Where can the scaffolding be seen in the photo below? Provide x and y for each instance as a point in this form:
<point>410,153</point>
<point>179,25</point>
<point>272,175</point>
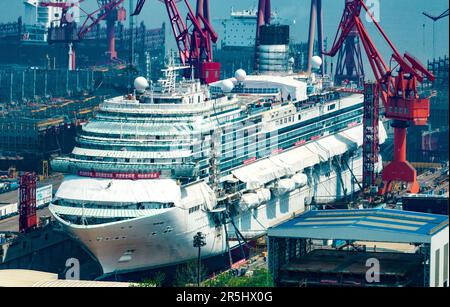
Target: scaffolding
<point>27,202</point>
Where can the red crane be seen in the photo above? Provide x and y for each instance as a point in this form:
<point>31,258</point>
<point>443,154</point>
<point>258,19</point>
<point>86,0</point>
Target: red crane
<point>109,10</point>
<point>64,6</point>
<point>194,37</point>
<point>397,86</point>
<point>349,66</point>
<point>27,202</point>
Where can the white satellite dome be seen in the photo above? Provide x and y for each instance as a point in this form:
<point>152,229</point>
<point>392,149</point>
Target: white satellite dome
<point>240,75</point>
<point>316,61</point>
<point>141,84</point>
<point>227,86</point>
<point>291,60</point>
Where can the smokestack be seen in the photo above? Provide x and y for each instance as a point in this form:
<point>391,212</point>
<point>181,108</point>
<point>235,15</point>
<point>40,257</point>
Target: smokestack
<point>316,16</point>
<point>264,18</point>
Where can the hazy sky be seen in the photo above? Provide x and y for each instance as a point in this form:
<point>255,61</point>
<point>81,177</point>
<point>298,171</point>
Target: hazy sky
<point>401,19</point>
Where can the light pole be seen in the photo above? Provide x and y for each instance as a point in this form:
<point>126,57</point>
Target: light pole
<point>199,242</point>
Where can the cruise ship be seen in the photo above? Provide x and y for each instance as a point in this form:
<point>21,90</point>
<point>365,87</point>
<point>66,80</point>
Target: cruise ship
<point>229,160</point>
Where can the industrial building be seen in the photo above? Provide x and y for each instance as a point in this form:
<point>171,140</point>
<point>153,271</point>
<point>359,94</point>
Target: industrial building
<point>28,278</point>
<point>297,259</point>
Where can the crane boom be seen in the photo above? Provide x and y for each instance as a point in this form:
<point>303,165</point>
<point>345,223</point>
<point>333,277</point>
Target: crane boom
<point>194,37</point>
<point>108,10</point>
<point>138,8</point>
<point>102,12</point>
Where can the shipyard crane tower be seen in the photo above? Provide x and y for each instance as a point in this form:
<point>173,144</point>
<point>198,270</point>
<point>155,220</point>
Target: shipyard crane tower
<point>65,32</point>
<point>396,85</point>
<point>349,66</point>
<point>109,10</point>
<point>194,37</point>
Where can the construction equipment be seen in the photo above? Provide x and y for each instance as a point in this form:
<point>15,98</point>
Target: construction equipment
<point>435,19</point>
<point>66,32</point>
<point>397,86</point>
<point>194,37</point>
<point>349,66</point>
<point>12,172</point>
<point>44,169</point>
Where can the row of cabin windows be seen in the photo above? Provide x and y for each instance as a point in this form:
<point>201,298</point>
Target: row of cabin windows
<point>194,209</point>
<point>128,160</point>
<point>237,156</point>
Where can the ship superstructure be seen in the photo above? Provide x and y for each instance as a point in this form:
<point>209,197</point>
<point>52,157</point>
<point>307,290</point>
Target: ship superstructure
<point>154,168</point>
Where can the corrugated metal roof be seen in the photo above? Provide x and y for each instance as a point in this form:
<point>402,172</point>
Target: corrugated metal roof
<point>29,278</point>
<point>382,225</point>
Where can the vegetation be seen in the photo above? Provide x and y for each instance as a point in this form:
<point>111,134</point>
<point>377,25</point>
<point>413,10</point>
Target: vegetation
<point>186,275</point>
<point>259,278</point>
<point>155,280</point>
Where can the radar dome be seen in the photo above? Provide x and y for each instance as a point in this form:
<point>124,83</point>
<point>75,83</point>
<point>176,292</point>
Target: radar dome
<point>240,75</point>
<point>227,86</point>
<point>316,62</point>
<point>140,84</point>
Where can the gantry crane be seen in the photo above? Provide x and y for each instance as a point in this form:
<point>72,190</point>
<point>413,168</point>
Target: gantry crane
<point>109,10</point>
<point>194,37</point>
<point>349,65</point>
<point>396,85</point>
<point>435,19</point>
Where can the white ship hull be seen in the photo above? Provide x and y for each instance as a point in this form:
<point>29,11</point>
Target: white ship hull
<point>166,238</point>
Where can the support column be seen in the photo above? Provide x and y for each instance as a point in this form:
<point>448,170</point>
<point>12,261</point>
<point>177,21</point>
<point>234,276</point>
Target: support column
<point>274,258</point>
<point>400,170</point>
<point>320,34</point>
<point>312,31</point>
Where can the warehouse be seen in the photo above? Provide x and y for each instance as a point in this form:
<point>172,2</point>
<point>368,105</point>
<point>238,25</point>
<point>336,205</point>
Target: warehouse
<point>323,248</point>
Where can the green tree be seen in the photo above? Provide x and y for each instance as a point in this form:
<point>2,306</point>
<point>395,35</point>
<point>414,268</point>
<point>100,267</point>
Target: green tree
<point>186,274</point>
